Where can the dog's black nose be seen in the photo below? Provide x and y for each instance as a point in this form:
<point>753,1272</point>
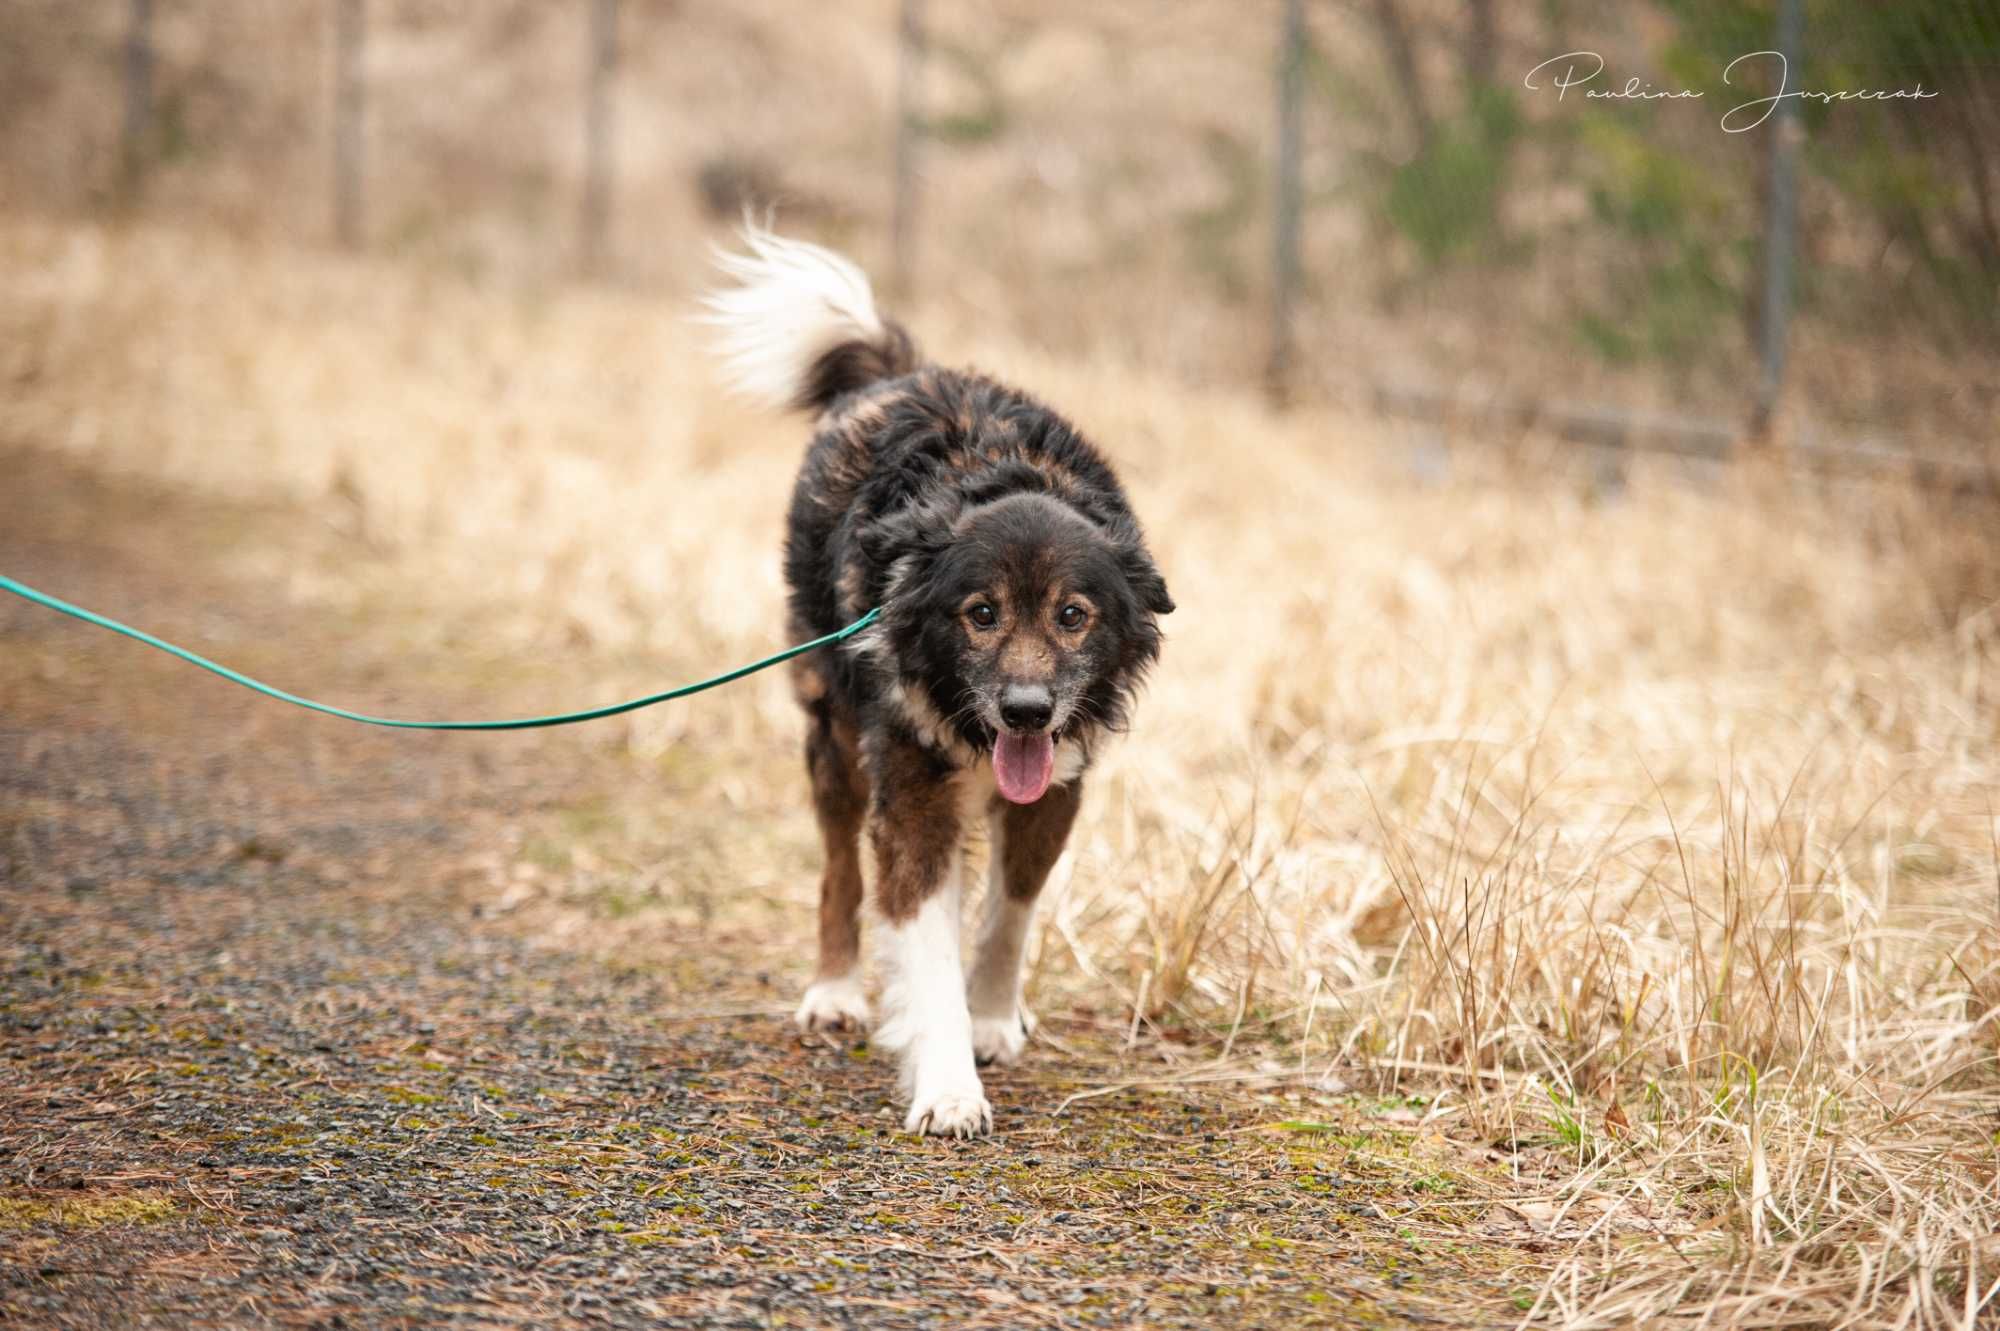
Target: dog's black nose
<point>1026,707</point>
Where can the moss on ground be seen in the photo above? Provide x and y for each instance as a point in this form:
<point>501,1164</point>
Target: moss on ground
<point>85,1211</point>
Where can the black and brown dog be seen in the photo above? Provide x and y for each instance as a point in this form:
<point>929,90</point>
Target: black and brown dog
<point>1019,611</point>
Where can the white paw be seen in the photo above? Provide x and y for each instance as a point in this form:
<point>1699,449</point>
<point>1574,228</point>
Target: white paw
<point>836,1004</point>
<point>950,1114</point>
<point>1001,1039</point>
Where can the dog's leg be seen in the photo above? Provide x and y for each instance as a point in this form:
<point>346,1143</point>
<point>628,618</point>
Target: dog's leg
<point>1026,840</point>
<point>835,1000</point>
<point>918,861</point>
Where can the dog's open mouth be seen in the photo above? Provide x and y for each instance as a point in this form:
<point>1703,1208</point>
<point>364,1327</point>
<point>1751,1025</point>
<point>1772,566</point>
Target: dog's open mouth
<point>1023,765</point>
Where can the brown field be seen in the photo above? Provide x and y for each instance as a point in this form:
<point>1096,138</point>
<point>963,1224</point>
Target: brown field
<point>1097,181</point>
<point>1652,819</point>
<point>1597,857</point>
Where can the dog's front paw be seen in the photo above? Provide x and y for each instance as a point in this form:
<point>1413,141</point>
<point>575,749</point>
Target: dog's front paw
<point>835,1004</point>
<point>1001,1039</point>
<point>950,1114</point>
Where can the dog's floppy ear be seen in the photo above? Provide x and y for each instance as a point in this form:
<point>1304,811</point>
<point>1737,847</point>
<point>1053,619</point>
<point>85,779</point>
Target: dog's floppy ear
<point>904,548</point>
<point>1147,582</point>
<point>918,529</point>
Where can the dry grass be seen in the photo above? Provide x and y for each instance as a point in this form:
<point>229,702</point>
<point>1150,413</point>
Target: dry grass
<point>1100,178</point>
<point>1657,821</point>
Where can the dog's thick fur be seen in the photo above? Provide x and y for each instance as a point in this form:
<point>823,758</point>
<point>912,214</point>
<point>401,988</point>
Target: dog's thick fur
<point>1019,611</point>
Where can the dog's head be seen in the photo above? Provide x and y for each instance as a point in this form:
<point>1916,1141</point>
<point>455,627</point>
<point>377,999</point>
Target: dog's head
<point>1025,624</point>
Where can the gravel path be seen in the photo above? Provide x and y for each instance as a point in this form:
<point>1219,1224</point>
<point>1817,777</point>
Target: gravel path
<point>263,1061</point>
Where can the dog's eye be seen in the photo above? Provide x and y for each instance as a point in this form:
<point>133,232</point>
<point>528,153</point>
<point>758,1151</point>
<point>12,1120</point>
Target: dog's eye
<point>1072,617</point>
<point>983,616</point>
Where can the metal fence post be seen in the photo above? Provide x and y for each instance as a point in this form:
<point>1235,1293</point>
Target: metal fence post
<point>138,96</point>
<point>909,125</point>
<point>597,133</point>
<point>1774,323</point>
<point>1285,225</point>
<point>349,20</point>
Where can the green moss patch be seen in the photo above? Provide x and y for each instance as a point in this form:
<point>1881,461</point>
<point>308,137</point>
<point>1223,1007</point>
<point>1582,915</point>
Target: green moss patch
<point>85,1211</point>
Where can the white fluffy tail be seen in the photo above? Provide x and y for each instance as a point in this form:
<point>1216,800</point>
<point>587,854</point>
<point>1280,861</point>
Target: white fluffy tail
<point>788,307</point>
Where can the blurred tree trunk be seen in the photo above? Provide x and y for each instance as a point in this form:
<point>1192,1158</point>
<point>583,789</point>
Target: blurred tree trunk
<point>1783,132</point>
<point>1480,36</point>
<point>1285,230</point>
<point>348,38</point>
<point>909,125</point>
<point>603,60</point>
<point>138,98</point>
<point>1980,233</point>
<point>1402,53</point>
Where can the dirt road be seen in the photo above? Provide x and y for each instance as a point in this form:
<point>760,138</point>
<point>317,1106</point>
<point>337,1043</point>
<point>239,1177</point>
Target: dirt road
<point>269,1057</point>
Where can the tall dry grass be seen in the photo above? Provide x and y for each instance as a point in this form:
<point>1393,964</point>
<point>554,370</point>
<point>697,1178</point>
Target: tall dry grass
<point>1653,818</point>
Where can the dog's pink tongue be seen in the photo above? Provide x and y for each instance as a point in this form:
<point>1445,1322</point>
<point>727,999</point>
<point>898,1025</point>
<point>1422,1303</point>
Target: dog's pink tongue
<point>1022,766</point>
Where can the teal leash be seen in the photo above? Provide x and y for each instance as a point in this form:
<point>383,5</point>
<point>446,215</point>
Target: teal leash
<point>525,723</point>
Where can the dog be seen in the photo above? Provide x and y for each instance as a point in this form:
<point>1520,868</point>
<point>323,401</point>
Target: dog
<point>1019,612</point>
